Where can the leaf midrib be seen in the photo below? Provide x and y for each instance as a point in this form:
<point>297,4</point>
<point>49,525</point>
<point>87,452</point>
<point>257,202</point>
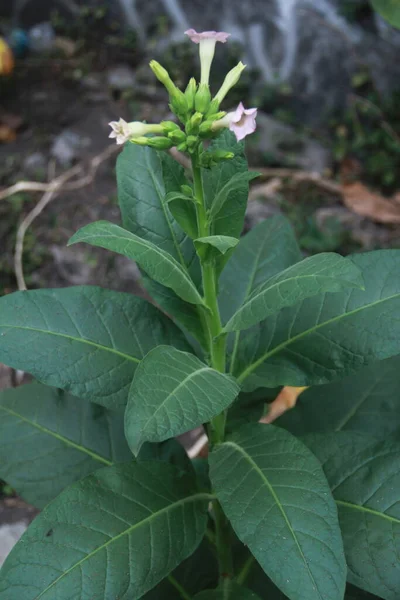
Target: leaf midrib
<point>174,392</point>
<point>74,339</point>
<point>59,437</point>
<point>279,505</point>
<point>370,511</point>
<point>275,286</point>
<point>249,370</point>
<point>129,530</point>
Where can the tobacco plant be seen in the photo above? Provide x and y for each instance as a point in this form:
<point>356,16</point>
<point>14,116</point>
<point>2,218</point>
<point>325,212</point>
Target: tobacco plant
<point>293,509</point>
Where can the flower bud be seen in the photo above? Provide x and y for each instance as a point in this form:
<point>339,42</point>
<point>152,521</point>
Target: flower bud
<point>230,80</point>
<point>216,116</point>
<point>177,136</point>
<point>169,126</point>
<point>190,93</point>
<point>182,147</point>
<point>213,108</point>
<point>193,124</point>
<point>192,142</point>
<point>206,129</point>
<point>179,104</point>
<point>160,143</point>
<point>163,76</point>
<point>202,99</point>
<point>220,155</point>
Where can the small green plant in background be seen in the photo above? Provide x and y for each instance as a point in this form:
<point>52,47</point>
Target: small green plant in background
<point>306,510</point>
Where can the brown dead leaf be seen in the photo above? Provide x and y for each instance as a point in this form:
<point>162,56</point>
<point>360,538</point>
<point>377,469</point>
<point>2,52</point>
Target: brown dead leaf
<point>285,400</point>
<point>361,200</point>
<point>7,134</point>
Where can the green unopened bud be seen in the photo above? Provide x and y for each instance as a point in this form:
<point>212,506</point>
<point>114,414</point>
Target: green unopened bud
<point>190,93</point>
<point>177,136</point>
<point>206,129</point>
<point>213,108</point>
<point>220,155</point>
<point>169,126</point>
<point>216,116</point>
<point>192,142</point>
<point>163,76</point>
<point>230,80</point>
<point>202,99</point>
<point>192,126</point>
<point>187,190</point>
<point>182,147</point>
<point>179,104</point>
<point>160,143</point>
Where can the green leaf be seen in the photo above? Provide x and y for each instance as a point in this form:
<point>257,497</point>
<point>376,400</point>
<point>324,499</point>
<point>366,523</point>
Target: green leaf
<point>328,336</point>
<point>114,534</point>
<point>367,402</point>
<point>325,272</point>
<point>183,210</point>
<point>230,219</point>
<point>233,592</point>
<point>157,263</point>
<point>277,499</point>
<point>49,439</point>
<point>270,247</point>
<point>184,313</point>
<point>173,392</point>
<point>197,572</point>
<point>144,178</point>
<point>213,246</point>
<point>364,476</point>
<point>389,10</point>
<point>85,340</point>
<point>238,181</point>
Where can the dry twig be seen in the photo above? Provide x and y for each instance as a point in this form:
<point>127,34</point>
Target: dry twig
<point>52,190</point>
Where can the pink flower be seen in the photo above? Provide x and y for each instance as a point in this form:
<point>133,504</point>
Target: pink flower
<point>207,41</point>
<point>241,122</point>
<point>123,131</point>
<point>218,36</point>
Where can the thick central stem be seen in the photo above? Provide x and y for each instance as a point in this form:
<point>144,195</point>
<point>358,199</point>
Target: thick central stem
<point>217,350</point>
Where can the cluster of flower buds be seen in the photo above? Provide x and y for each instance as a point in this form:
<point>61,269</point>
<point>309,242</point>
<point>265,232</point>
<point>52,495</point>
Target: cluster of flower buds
<point>195,108</point>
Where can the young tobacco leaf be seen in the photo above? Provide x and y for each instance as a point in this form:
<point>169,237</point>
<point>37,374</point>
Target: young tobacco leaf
<point>116,533</point>
<point>277,499</point>
<point>173,392</point>
<point>85,340</point>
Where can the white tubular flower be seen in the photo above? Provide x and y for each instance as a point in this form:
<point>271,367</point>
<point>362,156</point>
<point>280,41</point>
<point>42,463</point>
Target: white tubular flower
<point>230,81</point>
<point>123,131</point>
<point>207,41</point>
<point>241,122</point>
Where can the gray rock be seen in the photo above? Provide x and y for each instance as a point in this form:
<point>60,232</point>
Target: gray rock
<point>68,147</point>
<point>35,163</point>
<point>9,536</point>
<point>283,145</point>
<point>121,78</point>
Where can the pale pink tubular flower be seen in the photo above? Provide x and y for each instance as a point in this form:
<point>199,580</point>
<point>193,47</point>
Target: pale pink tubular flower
<point>123,131</point>
<point>207,41</point>
<point>241,122</point>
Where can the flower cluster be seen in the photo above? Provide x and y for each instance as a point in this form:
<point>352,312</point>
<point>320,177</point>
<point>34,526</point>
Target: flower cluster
<point>195,108</point>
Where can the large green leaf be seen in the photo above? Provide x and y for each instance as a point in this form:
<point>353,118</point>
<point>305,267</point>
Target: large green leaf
<point>197,572</point>
<point>367,402</point>
<point>144,178</point>
<point>270,247</point>
<point>328,336</point>
<point>277,499</point>
<point>325,272</point>
<point>364,476</point>
<point>85,340</point>
<point>184,212</point>
<point>229,220</point>
<point>173,392</point>
<point>142,198</point>
<point>233,592</point>
<point>115,534</point>
<point>157,263</point>
<point>237,181</point>
<point>49,439</point>
<point>389,10</point>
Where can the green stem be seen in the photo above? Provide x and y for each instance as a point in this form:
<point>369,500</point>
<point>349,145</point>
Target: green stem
<point>178,587</point>
<point>245,570</point>
<point>217,351</point>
